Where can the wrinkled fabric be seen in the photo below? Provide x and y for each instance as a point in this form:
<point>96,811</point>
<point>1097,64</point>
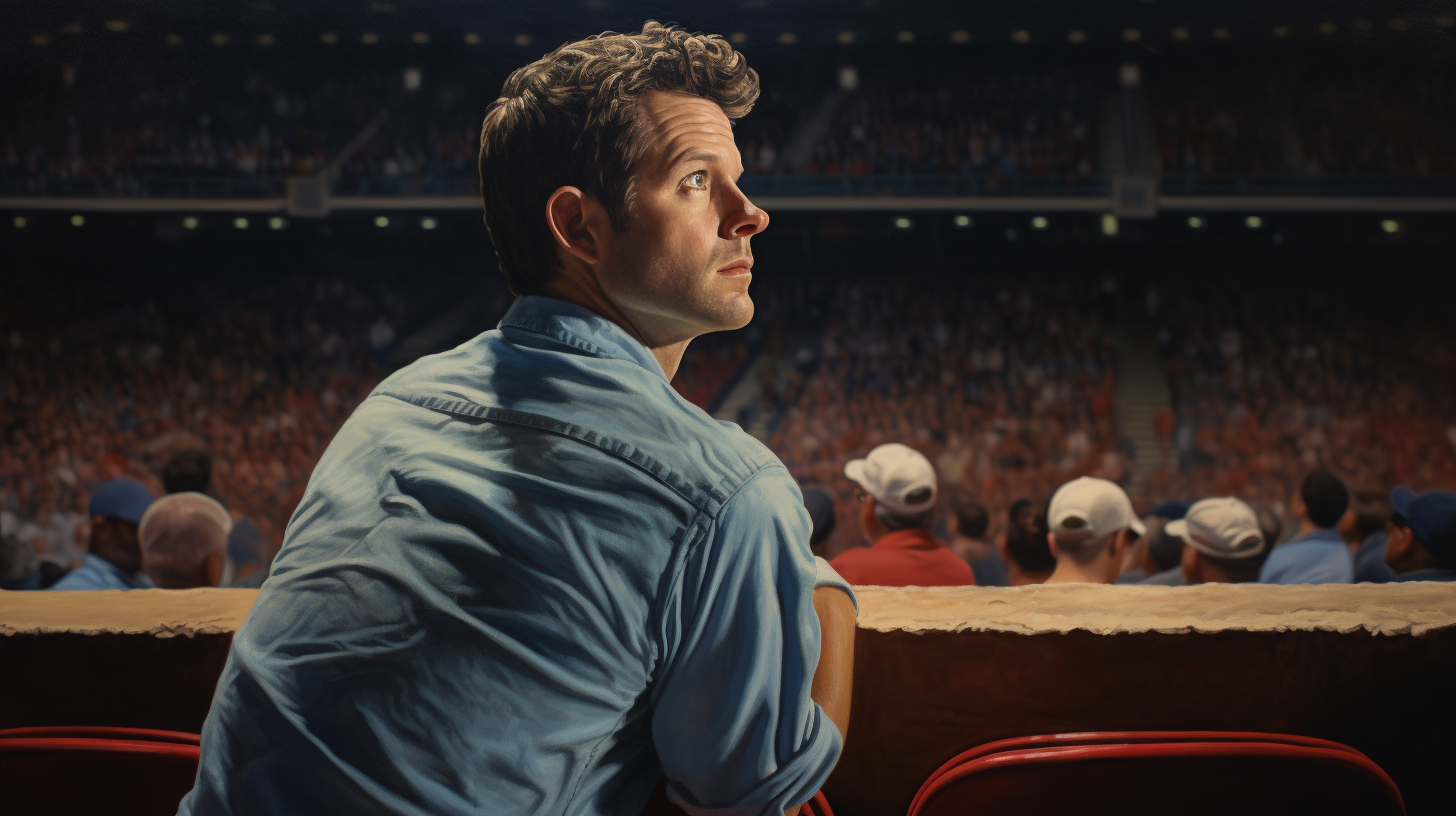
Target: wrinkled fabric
<point>1320,557</point>
<point>527,577</point>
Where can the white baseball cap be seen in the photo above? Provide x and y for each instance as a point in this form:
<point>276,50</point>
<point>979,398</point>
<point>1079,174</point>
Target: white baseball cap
<point>1101,505</point>
<point>1220,528</point>
<point>898,476</point>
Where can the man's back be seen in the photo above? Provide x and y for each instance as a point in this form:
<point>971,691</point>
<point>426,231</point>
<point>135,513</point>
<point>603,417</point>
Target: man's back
<point>904,558</point>
<point>1320,557</point>
<point>508,589</point>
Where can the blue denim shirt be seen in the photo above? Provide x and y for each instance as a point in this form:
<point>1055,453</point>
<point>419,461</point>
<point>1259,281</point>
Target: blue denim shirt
<point>1320,557</point>
<point>527,577</point>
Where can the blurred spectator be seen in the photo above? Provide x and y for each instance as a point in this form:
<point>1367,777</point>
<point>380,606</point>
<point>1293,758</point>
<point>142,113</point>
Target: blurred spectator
<point>1092,525</point>
<point>1158,553</point>
<point>115,557</point>
<point>250,555</point>
<point>1024,547</point>
<point>820,506</point>
<point>1363,528</point>
<point>19,565</point>
<point>1421,543</point>
<point>1223,543</point>
<point>1317,554</point>
<point>967,525</point>
<point>899,507</point>
<point>189,471</point>
<point>183,540</point>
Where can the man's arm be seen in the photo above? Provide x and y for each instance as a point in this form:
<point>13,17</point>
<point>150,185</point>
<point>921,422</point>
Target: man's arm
<point>834,676</point>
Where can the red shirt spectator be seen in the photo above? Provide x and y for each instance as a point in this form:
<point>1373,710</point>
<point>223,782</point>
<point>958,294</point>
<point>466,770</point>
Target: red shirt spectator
<point>904,558</point>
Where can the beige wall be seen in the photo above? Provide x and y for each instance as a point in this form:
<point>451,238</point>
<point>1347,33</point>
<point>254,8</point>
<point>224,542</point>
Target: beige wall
<point>937,670</point>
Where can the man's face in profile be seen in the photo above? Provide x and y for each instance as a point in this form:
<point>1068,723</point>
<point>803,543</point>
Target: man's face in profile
<point>683,267</point>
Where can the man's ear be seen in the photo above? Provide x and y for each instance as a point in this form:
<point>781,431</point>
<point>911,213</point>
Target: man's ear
<point>1398,541</point>
<point>1192,567</point>
<point>569,213</point>
<point>1119,544</point>
<point>212,569</point>
<point>1296,506</point>
<point>1052,543</point>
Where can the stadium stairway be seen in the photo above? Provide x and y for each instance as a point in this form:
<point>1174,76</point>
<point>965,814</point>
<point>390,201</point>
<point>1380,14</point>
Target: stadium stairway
<point>1142,391</point>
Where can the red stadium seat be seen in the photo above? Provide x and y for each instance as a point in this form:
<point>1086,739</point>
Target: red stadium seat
<point>1159,772</point>
<point>139,773</point>
<point>103,732</point>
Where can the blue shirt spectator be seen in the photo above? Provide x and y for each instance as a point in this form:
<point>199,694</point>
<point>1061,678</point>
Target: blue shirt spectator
<point>1319,557</point>
<point>96,572</point>
<point>529,577</point>
<point>1370,566</point>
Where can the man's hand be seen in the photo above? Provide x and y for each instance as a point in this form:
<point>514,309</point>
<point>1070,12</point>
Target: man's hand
<point>834,676</point>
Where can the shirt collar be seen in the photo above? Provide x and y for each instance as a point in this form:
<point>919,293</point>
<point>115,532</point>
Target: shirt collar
<point>579,328</point>
<point>1321,536</point>
<point>916,538</point>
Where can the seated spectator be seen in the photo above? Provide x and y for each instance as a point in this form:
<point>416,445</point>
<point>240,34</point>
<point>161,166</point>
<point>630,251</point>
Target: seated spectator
<point>1421,536</point>
<point>1224,543</point>
<point>1024,547</point>
<point>967,525</point>
<point>1363,528</point>
<point>1092,525</point>
<point>19,565</point>
<point>189,471</point>
<point>184,540</point>
<point>249,555</point>
<point>115,557</point>
<point>1160,555</point>
<point>821,514</point>
<point>1317,554</point>
<point>898,485</point>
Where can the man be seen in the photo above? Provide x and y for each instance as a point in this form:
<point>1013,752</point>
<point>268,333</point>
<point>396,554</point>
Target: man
<point>527,576</point>
<point>1024,547</point>
<point>1223,543</point>
<point>897,486</point>
<point>1317,554</point>
<point>1157,553</point>
<point>967,525</point>
<point>114,557</point>
<point>820,506</point>
<point>1421,536</point>
<point>184,539</point>
<point>1363,528</point>
<point>248,555</point>
<point>1092,525</point>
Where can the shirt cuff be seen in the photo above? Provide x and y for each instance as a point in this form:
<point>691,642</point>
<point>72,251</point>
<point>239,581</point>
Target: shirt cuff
<point>825,576</point>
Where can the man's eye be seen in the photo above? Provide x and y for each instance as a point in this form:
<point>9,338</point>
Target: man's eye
<point>697,180</point>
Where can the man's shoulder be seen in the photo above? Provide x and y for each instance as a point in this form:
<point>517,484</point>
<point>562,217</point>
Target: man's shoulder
<point>622,410</point>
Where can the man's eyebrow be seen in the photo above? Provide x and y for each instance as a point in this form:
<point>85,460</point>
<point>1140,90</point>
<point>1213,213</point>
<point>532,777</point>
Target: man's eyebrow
<point>697,156</point>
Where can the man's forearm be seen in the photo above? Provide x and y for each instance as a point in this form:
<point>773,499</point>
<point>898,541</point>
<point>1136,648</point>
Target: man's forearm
<point>834,676</point>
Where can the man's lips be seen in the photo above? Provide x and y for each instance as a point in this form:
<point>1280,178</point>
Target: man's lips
<point>736,268</point>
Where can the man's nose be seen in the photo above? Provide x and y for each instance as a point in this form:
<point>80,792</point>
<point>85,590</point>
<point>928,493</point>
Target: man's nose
<point>744,219</point>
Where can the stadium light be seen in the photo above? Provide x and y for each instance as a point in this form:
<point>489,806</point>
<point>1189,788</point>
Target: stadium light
<point>428,223</point>
<point>848,78</point>
<point>220,38</point>
<point>1390,226</point>
<point>1362,25</point>
<point>381,222</point>
<point>738,37</point>
<point>1328,28</point>
<point>1399,23</point>
<point>1180,33</point>
<point>845,38</point>
<point>1131,34</point>
<point>788,38</point>
<point>1109,224</point>
<point>1221,33</point>
<point>328,38</point>
<point>1253,222</point>
<point>240,223</point>
<point>906,37</point>
<point>190,222</point>
<point>1195,222</point>
<point>420,38</point>
<point>117,25</point>
<point>960,36</point>
<point>78,220</point>
<point>1039,222</point>
<point>1281,32</point>
<point>903,223</point>
<point>369,38</point>
<point>963,221</point>
<point>1021,35</point>
<point>523,40</point>
<point>1446,21</point>
<point>1076,36</point>
<point>19,222</point>
<point>174,39</point>
<point>471,38</point>
<point>40,39</point>
<point>277,223</point>
<point>266,39</point>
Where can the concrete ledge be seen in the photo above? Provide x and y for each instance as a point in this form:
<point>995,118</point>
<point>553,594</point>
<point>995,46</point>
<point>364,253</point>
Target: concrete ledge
<point>1387,609</point>
<point>155,612</point>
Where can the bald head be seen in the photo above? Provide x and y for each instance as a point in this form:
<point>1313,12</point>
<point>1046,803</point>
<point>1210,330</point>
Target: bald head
<point>184,540</point>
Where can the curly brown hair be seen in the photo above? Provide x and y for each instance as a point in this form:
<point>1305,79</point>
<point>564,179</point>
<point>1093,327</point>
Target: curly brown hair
<point>572,118</point>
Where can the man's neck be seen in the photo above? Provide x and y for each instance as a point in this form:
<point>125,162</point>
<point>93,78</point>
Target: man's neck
<point>1306,527</point>
<point>1016,576</point>
<point>1070,572</point>
<point>590,296</point>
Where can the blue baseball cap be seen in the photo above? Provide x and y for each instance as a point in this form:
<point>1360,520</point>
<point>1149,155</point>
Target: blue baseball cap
<point>125,499</point>
<point>1432,517</point>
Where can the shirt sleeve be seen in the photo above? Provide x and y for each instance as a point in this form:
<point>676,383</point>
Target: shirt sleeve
<point>733,723</point>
